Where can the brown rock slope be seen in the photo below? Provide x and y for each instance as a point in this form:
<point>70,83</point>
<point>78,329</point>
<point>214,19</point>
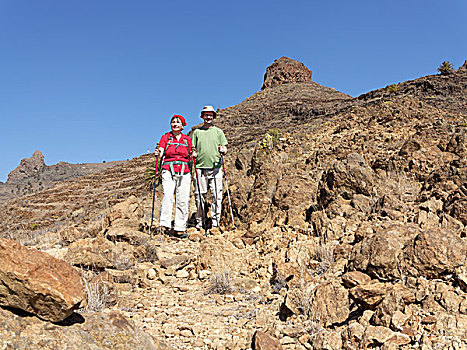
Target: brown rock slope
<point>76,203</point>
<point>351,226</point>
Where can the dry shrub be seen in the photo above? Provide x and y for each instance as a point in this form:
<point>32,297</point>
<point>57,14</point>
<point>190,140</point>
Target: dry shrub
<point>122,262</point>
<point>324,254</point>
<point>220,283</point>
<point>97,296</point>
<point>150,251</point>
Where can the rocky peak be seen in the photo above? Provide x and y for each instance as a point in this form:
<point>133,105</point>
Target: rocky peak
<point>27,167</point>
<point>286,70</point>
<point>463,68</point>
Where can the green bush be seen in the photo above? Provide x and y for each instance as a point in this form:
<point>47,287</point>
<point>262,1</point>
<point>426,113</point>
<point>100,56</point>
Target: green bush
<point>270,139</point>
<point>392,88</point>
<point>446,68</point>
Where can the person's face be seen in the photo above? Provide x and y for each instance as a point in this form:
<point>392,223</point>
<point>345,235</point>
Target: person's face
<point>208,117</point>
<point>176,125</point>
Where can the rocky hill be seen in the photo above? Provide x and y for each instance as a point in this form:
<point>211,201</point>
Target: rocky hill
<point>33,175</point>
<point>350,218</point>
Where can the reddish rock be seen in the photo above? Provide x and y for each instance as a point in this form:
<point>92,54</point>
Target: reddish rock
<point>263,341</point>
<point>37,282</point>
<point>370,295</point>
<point>354,278</point>
<point>286,70</point>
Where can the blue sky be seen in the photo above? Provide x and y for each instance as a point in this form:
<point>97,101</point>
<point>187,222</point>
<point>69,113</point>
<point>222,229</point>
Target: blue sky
<point>88,81</point>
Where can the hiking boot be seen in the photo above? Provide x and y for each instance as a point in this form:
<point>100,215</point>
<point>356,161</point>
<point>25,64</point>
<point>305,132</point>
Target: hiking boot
<point>162,230</point>
<point>177,234</point>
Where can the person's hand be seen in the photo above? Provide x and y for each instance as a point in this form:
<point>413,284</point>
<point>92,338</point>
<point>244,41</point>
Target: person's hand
<point>159,152</point>
<point>222,149</point>
<point>194,154</point>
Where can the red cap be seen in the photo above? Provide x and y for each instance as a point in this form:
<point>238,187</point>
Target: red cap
<point>179,117</point>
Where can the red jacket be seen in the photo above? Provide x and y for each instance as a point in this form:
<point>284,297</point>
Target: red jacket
<point>176,152</point>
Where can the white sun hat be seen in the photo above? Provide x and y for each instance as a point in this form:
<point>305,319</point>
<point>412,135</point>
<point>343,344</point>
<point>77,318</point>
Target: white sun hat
<point>209,109</point>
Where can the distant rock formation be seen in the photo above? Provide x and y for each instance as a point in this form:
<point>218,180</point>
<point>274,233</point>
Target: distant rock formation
<point>33,175</point>
<point>286,70</point>
<point>27,168</point>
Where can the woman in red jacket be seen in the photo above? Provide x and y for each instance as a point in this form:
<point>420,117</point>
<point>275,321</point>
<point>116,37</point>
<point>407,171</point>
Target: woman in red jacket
<point>175,148</point>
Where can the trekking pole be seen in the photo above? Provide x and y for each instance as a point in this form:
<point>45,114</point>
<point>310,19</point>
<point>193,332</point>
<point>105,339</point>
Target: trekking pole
<point>217,206</point>
<point>154,191</point>
<point>200,204</point>
<point>227,188</point>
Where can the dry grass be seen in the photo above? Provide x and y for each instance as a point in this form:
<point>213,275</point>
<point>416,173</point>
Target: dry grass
<point>122,262</point>
<point>97,296</point>
<point>220,283</point>
<point>324,254</point>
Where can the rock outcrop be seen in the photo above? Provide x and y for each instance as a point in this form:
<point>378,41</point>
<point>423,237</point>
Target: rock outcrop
<point>28,167</point>
<point>286,70</point>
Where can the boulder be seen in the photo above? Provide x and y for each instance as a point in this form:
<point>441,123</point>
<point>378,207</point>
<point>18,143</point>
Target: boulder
<point>434,253</point>
<point>176,262</point>
<point>328,301</point>
<point>380,254</point>
<point>458,143</point>
<point>126,234</point>
<point>100,253</point>
<point>355,278</point>
<point>38,283</point>
<point>371,294</point>
<point>329,340</point>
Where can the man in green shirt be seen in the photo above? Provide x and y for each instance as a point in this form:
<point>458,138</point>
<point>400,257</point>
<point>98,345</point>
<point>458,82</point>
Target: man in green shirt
<point>209,142</point>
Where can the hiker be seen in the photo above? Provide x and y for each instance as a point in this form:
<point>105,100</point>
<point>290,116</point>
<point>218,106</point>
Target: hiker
<point>176,149</point>
<point>209,142</point>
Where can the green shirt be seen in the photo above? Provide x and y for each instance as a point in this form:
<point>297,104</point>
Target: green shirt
<point>206,143</point>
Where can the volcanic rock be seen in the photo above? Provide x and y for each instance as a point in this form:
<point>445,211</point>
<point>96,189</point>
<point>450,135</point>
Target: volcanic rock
<point>100,253</point>
<point>346,178</point>
<point>286,70</point>
<point>37,282</point>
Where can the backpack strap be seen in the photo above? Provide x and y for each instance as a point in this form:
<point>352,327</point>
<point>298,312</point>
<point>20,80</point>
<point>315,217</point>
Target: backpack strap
<point>171,164</point>
<point>170,142</point>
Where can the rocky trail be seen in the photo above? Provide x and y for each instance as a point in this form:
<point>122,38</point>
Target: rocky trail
<point>350,233</point>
